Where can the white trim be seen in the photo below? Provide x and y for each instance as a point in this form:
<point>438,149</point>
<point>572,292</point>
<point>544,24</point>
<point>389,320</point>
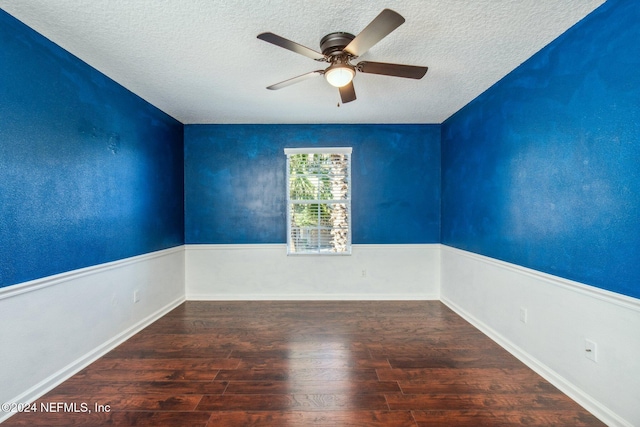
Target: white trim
<point>377,246</point>
<point>37,284</point>
<point>77,365</point>
<point>313,297</point>
<point>318,150</point>
<point>283,246</point>
<point>582,398</point>
<point>319,254</point>
<point>234,247</point>
<point>591,291</point>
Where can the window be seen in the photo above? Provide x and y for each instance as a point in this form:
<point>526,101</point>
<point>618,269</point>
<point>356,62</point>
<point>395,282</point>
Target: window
<point>318,201</point>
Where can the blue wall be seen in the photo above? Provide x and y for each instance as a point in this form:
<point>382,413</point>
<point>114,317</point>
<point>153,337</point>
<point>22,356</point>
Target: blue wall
<point>543,169</point>
<point>89,172</point>
<point>235,181</point>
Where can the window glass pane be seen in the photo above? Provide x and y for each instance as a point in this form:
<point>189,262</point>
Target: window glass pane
<point>319,202</point>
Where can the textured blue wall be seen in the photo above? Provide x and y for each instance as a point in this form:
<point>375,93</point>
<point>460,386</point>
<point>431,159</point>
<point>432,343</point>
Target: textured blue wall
<point>89,172</point>
<point>543,169</point>
<point>235,181</point>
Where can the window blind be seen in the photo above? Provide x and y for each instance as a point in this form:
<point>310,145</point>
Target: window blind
<point>319,201</point>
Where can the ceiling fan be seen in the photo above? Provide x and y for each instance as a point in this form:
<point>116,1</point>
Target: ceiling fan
<point>339,49</point>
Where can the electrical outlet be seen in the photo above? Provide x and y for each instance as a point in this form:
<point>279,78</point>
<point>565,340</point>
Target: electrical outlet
<point>136,296</point>
<point>591,350</point>
<point>524,315</point>
<point>364,273</point>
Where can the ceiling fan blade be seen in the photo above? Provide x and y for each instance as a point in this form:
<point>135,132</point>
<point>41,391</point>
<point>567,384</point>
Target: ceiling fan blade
<point>295,80</point>
<point>348,93</point>
<point>379,28</point>
<point>395,70</point>
<point>292,46</point>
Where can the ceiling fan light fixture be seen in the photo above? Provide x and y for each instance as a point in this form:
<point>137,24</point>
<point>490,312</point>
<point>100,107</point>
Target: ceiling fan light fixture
<point>339,75</point>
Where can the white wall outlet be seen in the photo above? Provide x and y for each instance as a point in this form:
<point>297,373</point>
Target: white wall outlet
<point>591,350</point>
<point>524,315</point>
<point>364,273</point>
<point>136,296</point>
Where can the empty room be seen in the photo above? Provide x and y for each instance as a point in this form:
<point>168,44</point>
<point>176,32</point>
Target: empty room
<point>270,213</point>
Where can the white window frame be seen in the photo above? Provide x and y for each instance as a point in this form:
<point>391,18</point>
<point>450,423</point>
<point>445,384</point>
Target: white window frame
<point>347,201</point>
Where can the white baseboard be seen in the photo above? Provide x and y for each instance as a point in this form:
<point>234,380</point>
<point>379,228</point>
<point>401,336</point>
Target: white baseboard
<point>56,326</point>
<point>265,272</point>
<point>312,297</point>
<point>561,314</point>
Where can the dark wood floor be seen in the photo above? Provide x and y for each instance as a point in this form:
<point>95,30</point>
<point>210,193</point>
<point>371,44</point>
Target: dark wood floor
<point>307,364</point>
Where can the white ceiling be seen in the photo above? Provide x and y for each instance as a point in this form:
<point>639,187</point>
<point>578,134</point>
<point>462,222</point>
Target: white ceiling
<point>200,60</point>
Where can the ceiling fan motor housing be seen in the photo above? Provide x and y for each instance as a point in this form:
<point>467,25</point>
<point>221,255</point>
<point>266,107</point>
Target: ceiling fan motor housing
<point>334,43</point>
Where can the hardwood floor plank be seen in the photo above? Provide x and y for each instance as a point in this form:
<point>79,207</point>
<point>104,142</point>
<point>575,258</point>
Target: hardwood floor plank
<point>149,374</point>
<point>313,363</point>
<point>504,418</point>
<point>300,402</point>
<point>312,387</point>
<point>312,419</point>
<point>81,387</point>
<point>136,402</point>
<point>425,402</point>
<point>297,353</point>
<point>158,419</point>
<point>114,418</point>
<point>423,374</point>
<point>168,353</point>
<point>454,360</point>
<point>399,346</point>
<point>477,385</point>
<point>150,369</point>
<point>197,364</point>
<point>295,374</point>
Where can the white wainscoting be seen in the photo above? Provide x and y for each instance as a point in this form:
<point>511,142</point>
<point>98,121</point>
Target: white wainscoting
<point>53,327</point>
<point>265,272</point>
<point>561,314</point>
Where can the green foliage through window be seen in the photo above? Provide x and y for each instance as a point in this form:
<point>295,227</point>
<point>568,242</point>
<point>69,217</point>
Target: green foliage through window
<point>319,202</point>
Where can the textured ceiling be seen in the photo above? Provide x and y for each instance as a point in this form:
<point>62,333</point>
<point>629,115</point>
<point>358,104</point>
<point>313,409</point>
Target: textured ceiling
<point>200,60</point>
